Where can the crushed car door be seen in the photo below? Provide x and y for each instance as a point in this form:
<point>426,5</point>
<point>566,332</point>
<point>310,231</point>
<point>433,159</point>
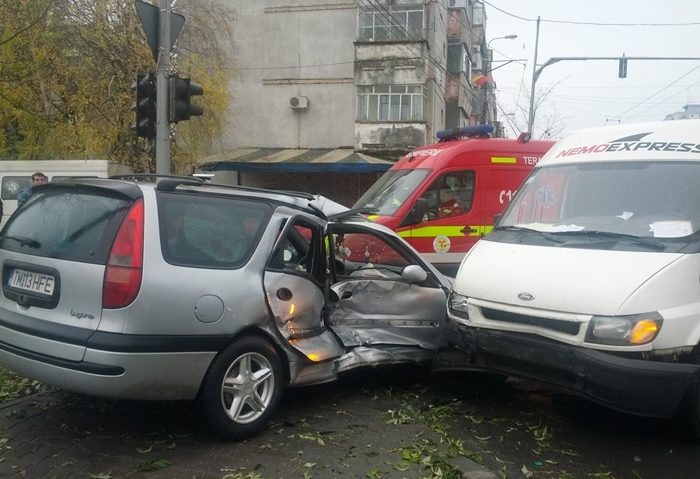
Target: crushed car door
<point>383,293</point>
<point>294,286</point>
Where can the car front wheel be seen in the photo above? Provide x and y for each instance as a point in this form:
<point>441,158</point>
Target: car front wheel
<point>242,388</point>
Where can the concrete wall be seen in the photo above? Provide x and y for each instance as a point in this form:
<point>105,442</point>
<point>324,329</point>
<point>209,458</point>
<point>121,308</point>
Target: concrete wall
<point>390,136</point>
<point>292,48</point>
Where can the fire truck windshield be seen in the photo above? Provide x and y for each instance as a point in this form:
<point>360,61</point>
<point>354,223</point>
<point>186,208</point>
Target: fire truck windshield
<point>392,190</point>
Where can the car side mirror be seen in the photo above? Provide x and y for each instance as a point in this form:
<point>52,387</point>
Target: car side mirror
<point>496,218</point>
<point>414,274</point>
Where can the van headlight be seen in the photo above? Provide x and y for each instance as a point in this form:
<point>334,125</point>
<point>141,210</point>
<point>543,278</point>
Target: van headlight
<point>457,305</point>
<point>630,330</point>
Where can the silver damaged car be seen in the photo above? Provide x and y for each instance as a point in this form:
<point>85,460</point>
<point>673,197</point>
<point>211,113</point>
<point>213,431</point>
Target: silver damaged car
<point>169,288</point>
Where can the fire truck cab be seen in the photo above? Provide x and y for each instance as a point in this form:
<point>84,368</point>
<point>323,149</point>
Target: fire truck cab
<point>443,197</point>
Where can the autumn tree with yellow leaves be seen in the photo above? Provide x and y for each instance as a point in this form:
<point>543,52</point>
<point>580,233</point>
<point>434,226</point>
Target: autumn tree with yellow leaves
<point>66,70</point>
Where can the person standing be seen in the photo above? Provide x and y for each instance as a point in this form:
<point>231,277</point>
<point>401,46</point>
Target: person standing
<point>38,178</point>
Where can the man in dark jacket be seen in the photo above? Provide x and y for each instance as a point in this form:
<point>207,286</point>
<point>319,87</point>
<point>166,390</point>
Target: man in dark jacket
<point>38,178</point>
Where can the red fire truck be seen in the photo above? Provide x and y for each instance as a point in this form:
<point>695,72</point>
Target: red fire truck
<point>443,197</point>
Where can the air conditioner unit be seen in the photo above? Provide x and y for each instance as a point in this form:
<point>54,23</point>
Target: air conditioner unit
<point>299,103</point>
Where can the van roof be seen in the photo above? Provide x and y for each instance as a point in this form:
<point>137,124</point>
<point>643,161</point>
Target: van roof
<point>433,155</point>
<point>675,140</point>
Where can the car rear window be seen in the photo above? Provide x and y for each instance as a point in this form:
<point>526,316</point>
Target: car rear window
<point>66,223</point>
<point>209,231</point>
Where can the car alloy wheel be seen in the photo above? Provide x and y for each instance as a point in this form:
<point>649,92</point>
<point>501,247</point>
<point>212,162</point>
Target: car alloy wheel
<point>242,388</point>
<point>248,388</point>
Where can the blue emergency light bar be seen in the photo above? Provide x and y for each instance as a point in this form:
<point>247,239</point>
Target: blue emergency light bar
<point>472,130</point>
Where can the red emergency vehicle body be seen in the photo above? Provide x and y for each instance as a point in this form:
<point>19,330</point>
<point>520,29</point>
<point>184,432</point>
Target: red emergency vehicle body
<point>477,176</point>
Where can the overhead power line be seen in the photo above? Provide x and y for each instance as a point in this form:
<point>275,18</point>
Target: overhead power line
<point>595,24</point>
<point>656,93</point>
<point>665,100</point>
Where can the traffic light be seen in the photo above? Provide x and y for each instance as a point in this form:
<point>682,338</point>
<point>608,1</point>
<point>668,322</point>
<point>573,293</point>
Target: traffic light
<point>181,92</point>
<point>144,89</point>
<point>622,69</point>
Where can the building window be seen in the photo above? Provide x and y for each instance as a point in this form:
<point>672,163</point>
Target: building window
<point>390,103</point>
<point>390,22</point>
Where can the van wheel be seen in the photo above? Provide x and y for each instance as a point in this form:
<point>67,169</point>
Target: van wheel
<point>242,388</point>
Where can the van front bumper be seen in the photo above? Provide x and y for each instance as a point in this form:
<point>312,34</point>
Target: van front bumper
<point>636,386</point>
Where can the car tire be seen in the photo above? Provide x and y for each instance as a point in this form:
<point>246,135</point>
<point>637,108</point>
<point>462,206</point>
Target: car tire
<point>242,388</point>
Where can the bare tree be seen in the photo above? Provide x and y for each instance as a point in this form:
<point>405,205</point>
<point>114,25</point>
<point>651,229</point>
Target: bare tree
<point>548,124</point>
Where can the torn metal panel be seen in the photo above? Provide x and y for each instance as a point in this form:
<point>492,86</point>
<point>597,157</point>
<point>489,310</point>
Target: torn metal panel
<point>385,311</point>
<point>316,373</point>
<point>366,337</point>
<point>360,357</point>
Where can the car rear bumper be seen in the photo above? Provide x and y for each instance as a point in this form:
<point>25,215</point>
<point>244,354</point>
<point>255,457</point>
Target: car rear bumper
<point>111,365</point>
<point>636,386</point>
<point>160,376</point>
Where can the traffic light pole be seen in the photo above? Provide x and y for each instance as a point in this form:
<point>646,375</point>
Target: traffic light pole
<point>623,68</point>
<point>162,141</point>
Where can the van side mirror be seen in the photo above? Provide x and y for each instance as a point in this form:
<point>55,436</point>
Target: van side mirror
<point>415,216</point>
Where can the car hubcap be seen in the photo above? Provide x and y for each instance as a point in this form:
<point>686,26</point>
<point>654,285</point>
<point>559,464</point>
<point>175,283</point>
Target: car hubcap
<point>247,388</point>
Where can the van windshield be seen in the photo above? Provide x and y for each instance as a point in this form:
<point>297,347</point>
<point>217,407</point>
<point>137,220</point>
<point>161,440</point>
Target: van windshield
<point>580,202</point>
<point>392,190</point>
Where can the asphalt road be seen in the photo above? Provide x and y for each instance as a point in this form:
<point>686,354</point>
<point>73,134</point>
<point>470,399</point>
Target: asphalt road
<point>389,423</point>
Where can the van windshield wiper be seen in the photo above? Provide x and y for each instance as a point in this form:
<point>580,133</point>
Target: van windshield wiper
<point>640,240</point>
<point>25,241</point>
<point>543,234</point>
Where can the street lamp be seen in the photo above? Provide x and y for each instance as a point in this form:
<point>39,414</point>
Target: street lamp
<point>512,36</point>
<point>489,52</point>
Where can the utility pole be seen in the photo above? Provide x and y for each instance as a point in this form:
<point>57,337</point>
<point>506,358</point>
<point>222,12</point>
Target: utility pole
<point>162,141</point>
<point>531,117</point>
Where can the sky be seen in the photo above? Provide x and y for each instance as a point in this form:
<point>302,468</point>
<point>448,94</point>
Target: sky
<point>589,93</point>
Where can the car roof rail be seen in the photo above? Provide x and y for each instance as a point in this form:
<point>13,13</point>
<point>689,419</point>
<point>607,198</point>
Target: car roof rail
<point>172,182</point>
<point>163,182</point>
<point>154,177</point>
<point>297,194</point>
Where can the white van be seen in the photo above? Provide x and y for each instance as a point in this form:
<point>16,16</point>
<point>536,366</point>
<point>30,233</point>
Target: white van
<point>590,280</point>
<point>17,175</point>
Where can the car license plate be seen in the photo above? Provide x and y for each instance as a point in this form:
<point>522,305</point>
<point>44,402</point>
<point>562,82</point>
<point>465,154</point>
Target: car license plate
<point>31,281</point>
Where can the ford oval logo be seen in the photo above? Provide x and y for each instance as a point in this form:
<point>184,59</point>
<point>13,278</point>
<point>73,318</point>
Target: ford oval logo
<point>526,296</point>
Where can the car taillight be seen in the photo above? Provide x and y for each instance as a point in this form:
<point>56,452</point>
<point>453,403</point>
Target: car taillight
<point>122,279</point>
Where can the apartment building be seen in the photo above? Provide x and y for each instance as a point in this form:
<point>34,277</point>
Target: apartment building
<point>321,82</point>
